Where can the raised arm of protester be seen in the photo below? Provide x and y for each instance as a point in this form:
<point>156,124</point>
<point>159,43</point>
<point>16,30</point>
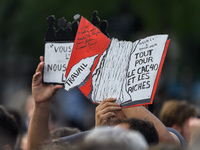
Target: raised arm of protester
<point>108,109</point>
<point>38,131</point>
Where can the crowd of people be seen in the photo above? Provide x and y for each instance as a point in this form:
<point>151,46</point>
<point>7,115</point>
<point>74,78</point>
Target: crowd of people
<point>132,128</point>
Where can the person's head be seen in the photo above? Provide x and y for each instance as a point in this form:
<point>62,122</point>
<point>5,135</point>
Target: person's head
<point>176,114</point>
<point>63,131</point>
<point>8,130</point>
<point>106,138</point>
<point>146,128</point>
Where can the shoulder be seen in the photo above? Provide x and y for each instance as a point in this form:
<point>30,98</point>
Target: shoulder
<point>176,135</point>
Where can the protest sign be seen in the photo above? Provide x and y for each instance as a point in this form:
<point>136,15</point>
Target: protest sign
<point>104,68</point>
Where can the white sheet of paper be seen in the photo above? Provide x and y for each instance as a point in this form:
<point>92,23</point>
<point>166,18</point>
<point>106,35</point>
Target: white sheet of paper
<point>56,59</point>
<point>143,67</point>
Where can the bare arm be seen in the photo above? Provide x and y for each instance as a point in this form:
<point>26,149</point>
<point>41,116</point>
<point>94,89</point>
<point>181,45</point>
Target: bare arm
<point>38,130</point>
<point>141,112</point>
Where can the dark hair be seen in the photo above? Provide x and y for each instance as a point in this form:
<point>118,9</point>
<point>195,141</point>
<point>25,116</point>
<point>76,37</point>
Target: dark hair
<point>176,112</point>
<point>8,128</point>
<point>146,128</point>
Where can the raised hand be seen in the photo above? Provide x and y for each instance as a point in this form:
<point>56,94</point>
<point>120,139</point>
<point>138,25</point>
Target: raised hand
<point>42,92</point>
<point>105,110</point>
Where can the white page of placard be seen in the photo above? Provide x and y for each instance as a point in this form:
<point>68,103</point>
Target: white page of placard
<point>129,69</point>
<point>143,67</point>
<point>56,59</point>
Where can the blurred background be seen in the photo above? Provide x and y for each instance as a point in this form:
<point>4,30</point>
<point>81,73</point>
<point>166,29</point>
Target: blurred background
<point>22,31</point>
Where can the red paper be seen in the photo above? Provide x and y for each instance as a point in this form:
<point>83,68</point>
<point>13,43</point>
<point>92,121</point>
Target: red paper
<point>89,42</point>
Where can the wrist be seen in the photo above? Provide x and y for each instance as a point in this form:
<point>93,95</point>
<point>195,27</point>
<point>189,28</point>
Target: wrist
<point>42,105</point>
<point>41,110</point>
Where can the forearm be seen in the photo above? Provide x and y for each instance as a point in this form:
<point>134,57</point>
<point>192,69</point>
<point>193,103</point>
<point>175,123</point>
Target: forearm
<point>38,131</point>
<point>142,113</point>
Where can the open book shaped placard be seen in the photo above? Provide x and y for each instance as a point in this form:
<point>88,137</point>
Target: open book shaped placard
<point>108,68</point>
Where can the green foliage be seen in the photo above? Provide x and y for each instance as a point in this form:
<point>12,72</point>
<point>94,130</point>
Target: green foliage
<point>23,23</point>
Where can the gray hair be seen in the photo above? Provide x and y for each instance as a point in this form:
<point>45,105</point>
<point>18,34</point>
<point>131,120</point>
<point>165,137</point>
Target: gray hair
<point>114,138</point>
